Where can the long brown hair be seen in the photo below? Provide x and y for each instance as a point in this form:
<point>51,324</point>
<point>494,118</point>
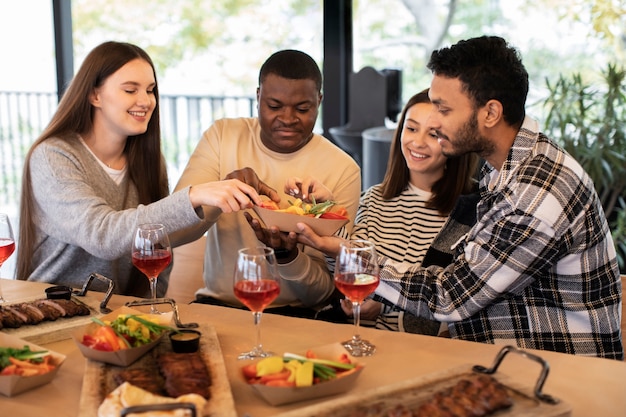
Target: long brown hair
<point>458,178</point>
<point>74,115</point>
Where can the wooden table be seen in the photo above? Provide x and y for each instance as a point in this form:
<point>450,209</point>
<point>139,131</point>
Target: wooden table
<point>592,386</point>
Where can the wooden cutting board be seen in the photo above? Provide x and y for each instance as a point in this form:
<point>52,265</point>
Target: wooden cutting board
<point>60,329</point>
<point>416,391</point>
<point>98,380</point>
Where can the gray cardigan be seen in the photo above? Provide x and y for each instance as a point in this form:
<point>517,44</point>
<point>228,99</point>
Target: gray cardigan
<point>84,224</point>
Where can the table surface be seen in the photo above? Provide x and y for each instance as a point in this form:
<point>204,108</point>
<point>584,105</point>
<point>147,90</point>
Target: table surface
<point>591,386</point>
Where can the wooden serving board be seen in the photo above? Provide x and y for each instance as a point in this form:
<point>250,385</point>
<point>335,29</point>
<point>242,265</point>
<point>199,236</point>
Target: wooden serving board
<point>98,380</point>
<point>59,329</point>
<point>414,392</point>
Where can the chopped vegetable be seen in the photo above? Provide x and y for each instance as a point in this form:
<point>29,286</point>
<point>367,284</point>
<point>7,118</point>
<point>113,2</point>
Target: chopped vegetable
<point>296,370</point>
<point>126,331</point>
<point>270,365</point>
<point>22,354</point>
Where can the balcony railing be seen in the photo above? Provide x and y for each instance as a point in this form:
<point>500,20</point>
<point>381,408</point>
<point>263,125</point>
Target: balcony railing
<point>24,115</point>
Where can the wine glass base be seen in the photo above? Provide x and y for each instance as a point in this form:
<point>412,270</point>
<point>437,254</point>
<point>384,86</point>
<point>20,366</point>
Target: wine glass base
<point>255,354</point>
<point>360,348</point>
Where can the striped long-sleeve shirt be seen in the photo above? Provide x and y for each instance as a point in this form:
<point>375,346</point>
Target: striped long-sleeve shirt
<point>537,270</point>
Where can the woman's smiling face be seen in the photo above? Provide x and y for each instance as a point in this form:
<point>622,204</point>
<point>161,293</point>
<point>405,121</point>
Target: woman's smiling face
<point>420,147</point>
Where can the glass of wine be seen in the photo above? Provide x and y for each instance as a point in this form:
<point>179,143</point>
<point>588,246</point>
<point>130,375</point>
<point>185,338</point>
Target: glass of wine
<point>356,277</point>
<point>151,253</point>
<point>256,285</point>
<point>7,243</point>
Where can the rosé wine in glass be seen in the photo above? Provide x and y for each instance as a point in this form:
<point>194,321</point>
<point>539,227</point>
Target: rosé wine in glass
<point>356,286</point>
<point>356,277</point>
<point>257,295</point>
<point>7,243</point>
<point>151,253</point>
<point>256,285</point>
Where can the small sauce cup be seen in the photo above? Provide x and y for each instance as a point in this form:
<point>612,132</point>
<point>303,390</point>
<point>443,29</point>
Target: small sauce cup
<point>185,340</point>
<point>59,292</point>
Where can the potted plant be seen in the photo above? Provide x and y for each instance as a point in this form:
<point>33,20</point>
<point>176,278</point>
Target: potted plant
<point>589,120</point>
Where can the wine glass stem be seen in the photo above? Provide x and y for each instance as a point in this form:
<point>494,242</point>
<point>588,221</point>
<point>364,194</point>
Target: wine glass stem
<point>153,288</point>
<point>2,300</point>
<point>356,310</point>
<point>257,325</point>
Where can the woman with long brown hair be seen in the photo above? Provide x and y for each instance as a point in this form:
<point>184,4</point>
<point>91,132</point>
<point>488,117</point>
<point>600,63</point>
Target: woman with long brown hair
<point>97,172</point>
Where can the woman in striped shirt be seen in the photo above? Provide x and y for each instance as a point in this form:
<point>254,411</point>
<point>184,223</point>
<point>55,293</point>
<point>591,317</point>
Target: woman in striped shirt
<point>425,203</point>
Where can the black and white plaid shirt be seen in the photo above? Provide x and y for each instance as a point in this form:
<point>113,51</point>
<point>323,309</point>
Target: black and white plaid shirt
<point>538,270</point>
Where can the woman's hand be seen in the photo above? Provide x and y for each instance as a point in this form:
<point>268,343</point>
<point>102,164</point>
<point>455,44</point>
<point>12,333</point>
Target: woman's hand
<point>228,195</point>
<point>307,189</point>
<point>327,244</point>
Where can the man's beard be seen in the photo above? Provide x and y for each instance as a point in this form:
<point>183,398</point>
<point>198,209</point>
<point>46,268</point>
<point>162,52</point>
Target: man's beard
<point>467,140</point>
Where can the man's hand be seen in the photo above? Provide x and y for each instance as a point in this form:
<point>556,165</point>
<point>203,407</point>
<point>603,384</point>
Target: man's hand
<point>248,176</point>
<point>308,188</point>
<point>275,239</point>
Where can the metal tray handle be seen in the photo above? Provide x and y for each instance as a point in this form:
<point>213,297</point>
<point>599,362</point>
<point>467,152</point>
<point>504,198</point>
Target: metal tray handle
<point>158,407</point>
<point>545,369</point>
<point>171,302</point>
<point>107,295</point>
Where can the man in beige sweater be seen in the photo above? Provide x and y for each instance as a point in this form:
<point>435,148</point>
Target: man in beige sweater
<point>278,145</point>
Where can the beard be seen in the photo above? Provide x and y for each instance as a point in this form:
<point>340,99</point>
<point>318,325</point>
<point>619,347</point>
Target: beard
<point>467,140</point>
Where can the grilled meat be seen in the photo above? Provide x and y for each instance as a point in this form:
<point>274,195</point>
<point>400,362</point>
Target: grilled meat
<point>474,396</point>
<point>11,318</point>
<point>142,378</point>
<point>71,308</point>
<point>17,315</point>
<point>185,373</point>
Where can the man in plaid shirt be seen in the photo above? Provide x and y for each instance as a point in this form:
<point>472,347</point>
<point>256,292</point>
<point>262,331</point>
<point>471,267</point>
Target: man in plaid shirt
<point>538,269</point>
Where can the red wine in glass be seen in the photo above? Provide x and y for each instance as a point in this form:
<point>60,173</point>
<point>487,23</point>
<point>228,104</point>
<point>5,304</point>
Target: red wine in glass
<point>256,285</point>
<point>7,242</point>
<point>151,253</point>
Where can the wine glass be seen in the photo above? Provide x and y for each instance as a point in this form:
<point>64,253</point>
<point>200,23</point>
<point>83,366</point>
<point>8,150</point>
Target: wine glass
<point>256,286</point>
<point>7,243</point>
<point>151,253</point>
<point>356,277</point>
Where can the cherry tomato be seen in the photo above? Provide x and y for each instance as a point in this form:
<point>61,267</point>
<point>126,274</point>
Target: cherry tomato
<point>249,371</point>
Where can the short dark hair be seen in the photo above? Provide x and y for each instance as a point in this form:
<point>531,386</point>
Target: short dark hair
<point>489,68</point>
<point>292,64</point>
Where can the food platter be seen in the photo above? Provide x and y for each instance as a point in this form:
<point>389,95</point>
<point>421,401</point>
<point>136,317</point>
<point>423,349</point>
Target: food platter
<point>59,329</point>
<point>99,377</point>
<point>411,394</point>
<point>416,391</point>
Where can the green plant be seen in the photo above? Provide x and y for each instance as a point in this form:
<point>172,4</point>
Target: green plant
<point>589,120</point>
